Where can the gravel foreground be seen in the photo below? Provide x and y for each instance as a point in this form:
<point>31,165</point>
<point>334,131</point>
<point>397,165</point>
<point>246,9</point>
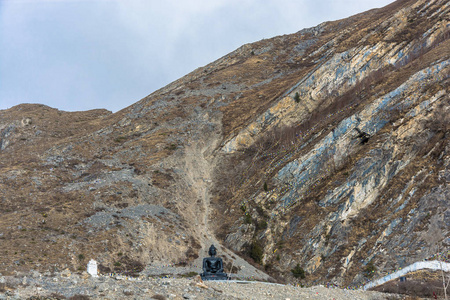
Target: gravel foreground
<point>75,286</point>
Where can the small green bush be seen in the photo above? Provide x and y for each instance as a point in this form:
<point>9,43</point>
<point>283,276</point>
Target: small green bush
<point>172,147</point>
<point>247,219</point>
<point>261,225</point>
<point>189,274</point>
<point>80,256</point>
<point>297,97</point>
<point>370,270</point>
<point>298,272</point>
<point>120,139</point>
<point>256,252</point>
<point>265,187</point>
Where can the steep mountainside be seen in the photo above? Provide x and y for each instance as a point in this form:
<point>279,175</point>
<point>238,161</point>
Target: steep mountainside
<point>328,149</point>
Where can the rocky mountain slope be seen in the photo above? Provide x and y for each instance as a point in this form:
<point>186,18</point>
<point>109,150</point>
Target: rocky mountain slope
<point>327,149</point>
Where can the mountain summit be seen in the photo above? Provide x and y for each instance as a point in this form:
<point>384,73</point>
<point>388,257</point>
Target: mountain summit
<point>322,154</point>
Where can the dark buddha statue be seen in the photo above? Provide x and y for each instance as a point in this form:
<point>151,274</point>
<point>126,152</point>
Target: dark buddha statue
<point>213,266</point>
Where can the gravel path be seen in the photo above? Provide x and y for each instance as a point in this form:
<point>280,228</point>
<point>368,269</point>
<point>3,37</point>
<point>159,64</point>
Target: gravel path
<point>69,285</point>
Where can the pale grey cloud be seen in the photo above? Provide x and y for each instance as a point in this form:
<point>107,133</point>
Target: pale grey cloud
<point>84,54</point>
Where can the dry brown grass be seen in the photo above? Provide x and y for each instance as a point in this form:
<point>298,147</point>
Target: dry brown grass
<point>419,284</point>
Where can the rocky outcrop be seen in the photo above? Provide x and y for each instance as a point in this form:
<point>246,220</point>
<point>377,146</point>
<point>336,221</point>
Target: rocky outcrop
<point>346,168</point>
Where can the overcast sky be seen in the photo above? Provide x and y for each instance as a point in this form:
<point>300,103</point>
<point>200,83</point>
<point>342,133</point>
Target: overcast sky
<point>85,54</point>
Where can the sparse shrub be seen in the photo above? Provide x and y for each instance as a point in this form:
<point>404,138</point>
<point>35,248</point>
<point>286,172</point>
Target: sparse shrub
<point>189,274</point>
<point>261,225</point>
<point>297,97</point>
<point>103,269</point>
<point>119,254</point>
<point>247,219</point>
<point>256,252</point>
<point>414,288</point>
<point>298,272</point>
<point>80,256</point>
<point>243,208</point>
<point>128,266</point>
<point>120,139</point>
<point>370,270</point>
<point>172,147</point>
<point>265,187</point>
<point>327,239</point>
<point>280,244</point>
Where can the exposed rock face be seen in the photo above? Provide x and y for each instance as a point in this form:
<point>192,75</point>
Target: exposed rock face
<point>328,148</point>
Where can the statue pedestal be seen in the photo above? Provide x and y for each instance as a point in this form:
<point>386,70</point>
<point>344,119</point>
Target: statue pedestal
<point>220,276</point>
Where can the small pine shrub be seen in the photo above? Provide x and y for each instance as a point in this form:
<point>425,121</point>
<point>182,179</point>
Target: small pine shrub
<point>265,187</point>
<point>297,97</point>
<point>247,219</point>
<point>370,270</point>
<point>256,252</point>
<point>298,272</point>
